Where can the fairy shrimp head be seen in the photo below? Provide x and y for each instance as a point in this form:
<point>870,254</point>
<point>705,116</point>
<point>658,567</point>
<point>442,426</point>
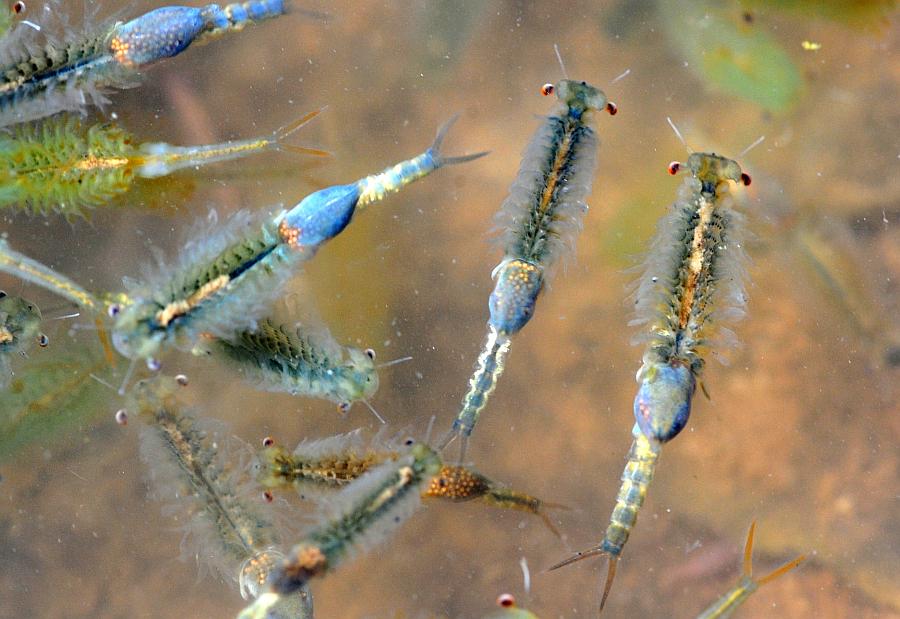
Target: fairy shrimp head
<point>358,378</point>
<point>579,97</point>
<point>711,170</point>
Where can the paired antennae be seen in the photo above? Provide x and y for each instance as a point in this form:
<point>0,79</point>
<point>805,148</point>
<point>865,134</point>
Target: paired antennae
<point>756,143</point>
<point>562,65</point>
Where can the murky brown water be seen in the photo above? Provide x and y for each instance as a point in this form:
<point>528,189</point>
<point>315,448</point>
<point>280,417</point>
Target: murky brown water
<point>801,430</point>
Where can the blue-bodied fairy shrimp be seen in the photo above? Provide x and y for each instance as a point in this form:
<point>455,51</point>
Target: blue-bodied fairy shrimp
<point>540,219</point>
<point>693,281</point>
<point>38,79</point>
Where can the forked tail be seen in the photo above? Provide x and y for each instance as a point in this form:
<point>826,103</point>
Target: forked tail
<point>746,585</point>
<point>435,149</point>
<point>636,480</point>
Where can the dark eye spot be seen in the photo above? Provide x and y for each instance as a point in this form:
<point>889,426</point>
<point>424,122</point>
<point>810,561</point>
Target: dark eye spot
<point>370,353</point>
<point>43,341</point>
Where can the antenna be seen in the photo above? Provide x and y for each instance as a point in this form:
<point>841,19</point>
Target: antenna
<point>756,143</point>
<point>678,134</point>
<point>388,364</point>
<point>562,65</point>
<point>625,74</point>
<point>374,412</point>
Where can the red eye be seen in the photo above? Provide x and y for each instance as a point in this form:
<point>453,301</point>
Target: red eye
<point>18,7</point>
<point>612,108</point>
<point>674,167</point>
<point>745,179</point>
<point>268,441</point>
<point>506,600</point>
<point>547,89</point>
<point>268,497</point>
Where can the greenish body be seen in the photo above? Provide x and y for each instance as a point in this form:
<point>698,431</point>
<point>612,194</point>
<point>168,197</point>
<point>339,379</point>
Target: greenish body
<point>301,363</point>
<point>375,505</point>
<point>50,399</point>
<point>61,166</point>
<point>190,450</point>
<point>20,323</point>
<point>216,292</point>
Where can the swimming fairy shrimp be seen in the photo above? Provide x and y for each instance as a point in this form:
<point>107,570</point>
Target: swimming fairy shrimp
<point>333,463</point>
<point>461,483</point>
<point>365,513</point>
<point>42,79</point>
<point>303,362</point>
<point>60,165</point>
<point>692,282</point>
<point>726,605</point>
<point>226,280</point>
<point>322,215</point>
<point>540,219</point>
<point>321,464</point>
<point>182,455</point>
<point>20,324</point>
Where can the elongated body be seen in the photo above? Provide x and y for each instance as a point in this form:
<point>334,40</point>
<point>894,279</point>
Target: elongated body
<point>304,362</point>
<point>726,605</point>
<point>539,219</point>
<point>63,166</point>
<point>333,463</point>
<point>460,483</point>
<point>693,281</point>
<point>182,455</point>
<point>227,276</point>
<point>323,464</point>
<point>369,509</point>
<point>40,80</point>
<point>322,215</point>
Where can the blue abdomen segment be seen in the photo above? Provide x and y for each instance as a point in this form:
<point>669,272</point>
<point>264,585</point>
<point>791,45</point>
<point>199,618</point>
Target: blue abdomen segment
<point>662,405</point>
<point>320,216</point>
<point>156,35</point>
<point>512,302</point>
<point>237,15</point>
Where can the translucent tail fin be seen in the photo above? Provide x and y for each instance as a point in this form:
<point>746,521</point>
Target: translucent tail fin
<point>593,552</point>
<point>748,562</point>
<point>439,159</point>
<point>279,136</point>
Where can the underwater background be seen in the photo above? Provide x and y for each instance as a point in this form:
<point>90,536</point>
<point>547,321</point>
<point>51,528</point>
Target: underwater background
<point>801,428</point>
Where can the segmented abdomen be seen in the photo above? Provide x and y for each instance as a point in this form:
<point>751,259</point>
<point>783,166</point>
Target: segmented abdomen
<point>636,480</point>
